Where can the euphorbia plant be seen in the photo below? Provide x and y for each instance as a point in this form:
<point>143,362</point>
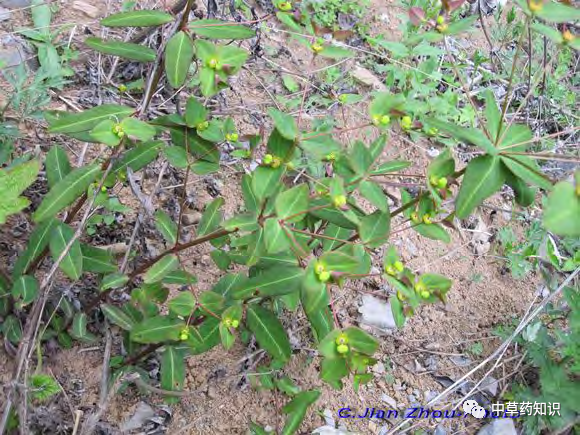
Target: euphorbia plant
<point>300,233</point>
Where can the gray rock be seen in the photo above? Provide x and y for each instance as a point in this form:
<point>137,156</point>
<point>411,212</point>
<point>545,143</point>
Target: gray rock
<point>489,384</point>
<point>190,218</point>
<point>142,414</point>
<point>14,4</point>
<point>440,430</point>
<point>377,313</point>
<point>379,368</point>
<point>4,14</point>
<point>389,401</point>
<point>502,426</point>
<point>460,361</point>
<point>14,50</point>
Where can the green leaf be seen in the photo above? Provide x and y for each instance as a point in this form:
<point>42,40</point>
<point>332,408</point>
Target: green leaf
<point>276,281</point>
<point>296,410</point>
<point>397,310</point>
<point>561,215</point>
<point>284,123</point>
<point>336,232</point>
<point>205,337</point>
<point>103,133</point>
<point>178,57</point>
<point>12,206</point>
<point>79,328</point>
<point>340,261</point>
<point>158,329</point>
<point>442,166</point>
<point>292,202</point>
<point>177,156</point>
<point>142,18</point>
<point>313,293</point>
<point>211,218</point>
<point>433,231</point>
<point>232,56</point>
<point>25,290</point>
<point>57,165</point>
<point>265,181</point>
<point>114,280</point>
<point>37,242</point>
<point>434,281</point>
<point>374,229</point>
<point>492,115</point>
<point>526,169</point>
<point>361,341</point>
<point>218,29</point>
<point>97,260</point>
<point>226,284</point>
<point>137,129</point>
<point>195,113</point>
<point>461,26</point>
<point>72,263</point>
<point>183,304</point>
<point>66,191</point>
<point>242,222</point>
<point>333,370</point>
<point>469,135</point>
<point>12,329</point>
<point>226,336</point>
<point>321,321</point>
<point>118,317</point>
<point>334,52</point>
<point>207,77</point>
<point>86,120</point>
<point>269,332</point>
<point>555,12</point>
<point>287,386</point>
<point>166,227</point>
<point>525,195</point>
<point>126,50</point>
<point>180,277</point>
<point>549,32</point>
<point>250,201</point>
<point>275,237</point>
<point>15,180</point>
<point>360,158</point>
<point>158,271</point>
<point>374,193</point>
<point>139,157</point>
<point>172,369</point>
<point>484,177</point>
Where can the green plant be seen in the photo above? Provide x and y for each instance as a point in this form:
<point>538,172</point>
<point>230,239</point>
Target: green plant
<point>300,233</point>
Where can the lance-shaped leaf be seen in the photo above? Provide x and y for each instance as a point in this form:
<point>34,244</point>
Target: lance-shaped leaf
<point>217,29</point>
<point>374,229</point>
<point>292,202</point>
<point>397,310</point>
<point>275,237</point>
<point>160,269</point>
<point>57,165</point>
<point>114,280</point>
<point>468,135</point>
<point>183,304</point>
<point>554,12</point>
<point>269,332</point>
<point>172,369</point>
<point>15,180</point>
<point>66,191</point>
<point>321,321</point>
<point>276,281</point>
<point>72,262</point>
<point>562,212</point>
<point>79,328</point>
<point>433,231</point>
<point>25,290</point>
<point>138,157</point>
<point>484,176</point>
<point>76,122</point>
<point>211,218</point>
<point>527,170</point>
<point>284,123</point>
<point>296,410</point>
<point>178,58</point>
<point>166,226</point>
<point>126,50</point>
<point>392,166</point>
<point>158,329</point>
<point>38,241</point>
<point>118,317</point>
<point>137,129</point>
<point>143,18</point>
<point>97,260</point>
<point>374,193</point>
